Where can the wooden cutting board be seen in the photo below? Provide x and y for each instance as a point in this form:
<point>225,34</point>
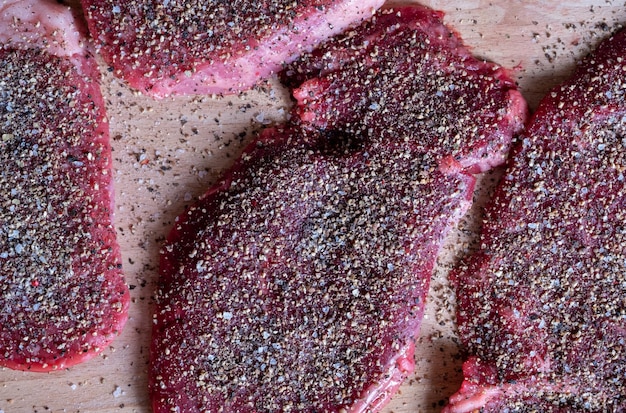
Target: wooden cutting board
<point>166,153</point>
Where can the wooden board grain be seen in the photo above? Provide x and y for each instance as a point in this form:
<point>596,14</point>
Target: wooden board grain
<point>166,153</point>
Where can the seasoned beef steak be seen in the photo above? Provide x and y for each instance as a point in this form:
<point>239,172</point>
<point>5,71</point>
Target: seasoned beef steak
<point>542,305</point>
<point>405,73</point>
<point>298,282</point>
<point>197,47</point>
<point>61,292</point>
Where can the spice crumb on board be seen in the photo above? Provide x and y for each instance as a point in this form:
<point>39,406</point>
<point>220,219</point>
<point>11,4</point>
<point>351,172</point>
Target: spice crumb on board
<point>117,392</point>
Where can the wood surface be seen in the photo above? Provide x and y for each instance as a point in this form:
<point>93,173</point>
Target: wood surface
<point>166,154</point>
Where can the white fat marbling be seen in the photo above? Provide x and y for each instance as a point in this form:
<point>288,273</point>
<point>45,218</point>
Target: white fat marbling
<point>40,23</point>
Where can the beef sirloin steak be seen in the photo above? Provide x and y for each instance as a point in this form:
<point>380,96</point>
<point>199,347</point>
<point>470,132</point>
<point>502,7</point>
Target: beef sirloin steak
<point>62,295</point>
<point>542,305</point>
<point>298,282</point>
<point>198,47</point>
<point>414,79</point>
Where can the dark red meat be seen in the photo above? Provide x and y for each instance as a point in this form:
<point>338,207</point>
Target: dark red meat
<point>199,47</point>
<point>298,282</point>
<point>414,79</point>
<point>542,306</point>
<point>61,292</point>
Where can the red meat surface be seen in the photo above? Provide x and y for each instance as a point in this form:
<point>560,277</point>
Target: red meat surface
<point>297,283</point>
<point>198,47</point>
<point>62,295</point>
<point>406,73</point>
<point>542,305</point>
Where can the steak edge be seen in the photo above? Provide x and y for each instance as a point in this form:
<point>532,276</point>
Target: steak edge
<point>195,47</point>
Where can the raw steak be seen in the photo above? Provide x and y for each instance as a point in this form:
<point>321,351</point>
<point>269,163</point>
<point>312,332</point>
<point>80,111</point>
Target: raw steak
<point>406,73</point>
<point>298,282</point>
<point>61,292</point>
<point>198,47</point>
<point>542,306</point>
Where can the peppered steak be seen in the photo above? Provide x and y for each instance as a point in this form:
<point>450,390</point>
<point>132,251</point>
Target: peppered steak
<point>404,72</point>
<point>61,292</point>
<point>298,282</point>
<point>196,47</point>
<point>542,305</point>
